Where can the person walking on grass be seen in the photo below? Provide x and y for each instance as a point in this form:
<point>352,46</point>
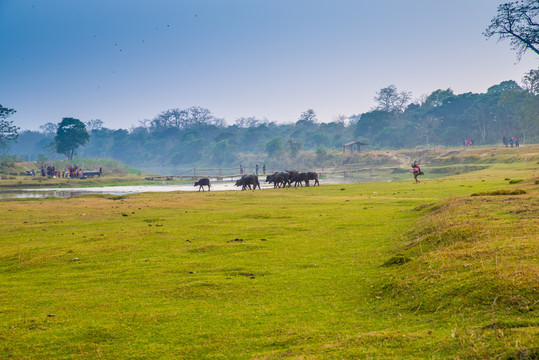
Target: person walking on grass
<point>417,171</point>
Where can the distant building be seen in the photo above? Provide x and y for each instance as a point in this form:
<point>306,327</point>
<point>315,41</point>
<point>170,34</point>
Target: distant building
<point>354,146</point>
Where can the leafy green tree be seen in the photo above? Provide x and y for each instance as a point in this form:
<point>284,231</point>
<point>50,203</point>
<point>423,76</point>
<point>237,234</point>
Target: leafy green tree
<point>70,135</point>
<point>189,148</point>
<point>319,139</point>
<point>275,147</point>
<point>294,147</point>
<point>517,21</point>
<point>528,122</point>
<point>483,119</point>
<point>520,108</point>
<point>101,141</point>
<point>503,87</point>
<point>427,128</point>
<point>42,159</point>
<point>304,127</point>
<point>492,115</point>
<point>438,98</point>
<point>531,81</point>
<point>220,152</point>
<point>8,131</point>
<point>371,123</point>
<point>321,153</point>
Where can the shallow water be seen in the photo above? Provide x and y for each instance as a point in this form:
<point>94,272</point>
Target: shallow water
<point>108,190</point>
<point>132,189</point>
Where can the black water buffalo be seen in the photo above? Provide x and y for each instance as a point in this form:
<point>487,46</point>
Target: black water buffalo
<point>241,181</point>
<point>246,181</point>
<point>299,178</point>
<point>291,174</point>
<point>269,178</point>
<point>313,176</point>
<point>286,177</point>
<point>203,182</point>
<point>278,179</point>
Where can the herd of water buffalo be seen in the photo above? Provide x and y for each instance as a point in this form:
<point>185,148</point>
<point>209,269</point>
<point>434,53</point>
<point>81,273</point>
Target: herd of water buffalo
<point>281,179</point>
<point>278,179</point>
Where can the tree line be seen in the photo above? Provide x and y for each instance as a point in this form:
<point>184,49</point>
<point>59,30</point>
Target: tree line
<point>185,137</point>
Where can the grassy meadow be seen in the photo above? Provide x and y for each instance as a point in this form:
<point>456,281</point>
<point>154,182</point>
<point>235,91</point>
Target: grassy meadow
<point>447,268</point>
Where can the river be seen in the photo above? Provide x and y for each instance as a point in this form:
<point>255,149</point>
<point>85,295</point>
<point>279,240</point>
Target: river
<point>19,193</point>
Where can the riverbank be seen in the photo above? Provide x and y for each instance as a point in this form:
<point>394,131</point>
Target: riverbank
<point>14,182</point>
<point>373,166</point>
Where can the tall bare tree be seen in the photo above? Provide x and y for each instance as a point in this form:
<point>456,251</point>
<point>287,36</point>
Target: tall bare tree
<point>308,116</point>
<point>94,124</point>
<point>517,21</point>
<point>390,100</point>
<point>185,118</point>
<point>49,129</point>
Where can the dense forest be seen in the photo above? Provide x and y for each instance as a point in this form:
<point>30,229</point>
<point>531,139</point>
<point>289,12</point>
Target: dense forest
<point>183,138</point>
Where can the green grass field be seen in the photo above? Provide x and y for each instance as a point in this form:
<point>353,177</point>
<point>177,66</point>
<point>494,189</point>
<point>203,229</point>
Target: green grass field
<point>391,270</point>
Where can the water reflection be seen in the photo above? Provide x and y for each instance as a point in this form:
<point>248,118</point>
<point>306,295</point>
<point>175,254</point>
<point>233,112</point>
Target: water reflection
<point>37,194</point>
<point>107,190</point>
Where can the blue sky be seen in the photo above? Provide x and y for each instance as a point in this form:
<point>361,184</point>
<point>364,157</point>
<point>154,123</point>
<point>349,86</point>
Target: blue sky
<point>123,61</point>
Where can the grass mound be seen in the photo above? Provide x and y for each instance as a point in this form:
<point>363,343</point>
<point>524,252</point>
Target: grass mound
<point>455,170</point>
<point>503,192</point>
<point>472,255</point>
<point>472,258</point>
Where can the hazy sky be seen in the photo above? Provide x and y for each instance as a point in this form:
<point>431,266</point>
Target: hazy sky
<point>122,61</point>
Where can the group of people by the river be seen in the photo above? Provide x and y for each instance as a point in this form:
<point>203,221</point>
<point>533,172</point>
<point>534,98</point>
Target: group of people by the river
<point>511,141</point>
<point>49,171</point>
<point>467,143</point>
<point>69,172</point>
<point>257,169</point>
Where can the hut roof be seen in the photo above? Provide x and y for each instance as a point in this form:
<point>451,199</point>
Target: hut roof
<point>354,143</point>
